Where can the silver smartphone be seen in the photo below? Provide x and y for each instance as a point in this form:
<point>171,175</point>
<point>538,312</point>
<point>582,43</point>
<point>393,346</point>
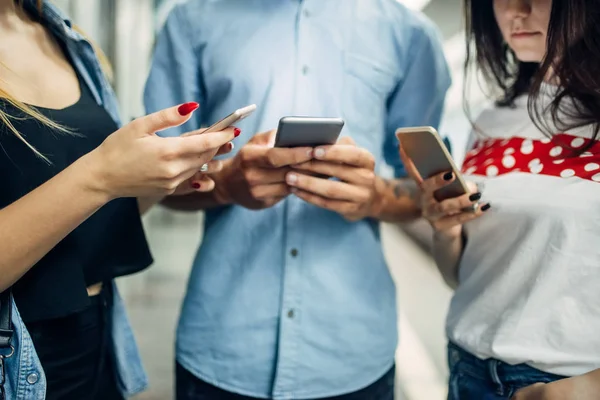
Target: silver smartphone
<point>229,120</point>
<point>308,131</point>
<point>431,157</point>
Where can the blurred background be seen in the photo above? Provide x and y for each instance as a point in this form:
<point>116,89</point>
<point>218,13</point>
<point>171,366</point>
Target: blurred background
<point>125,30</point>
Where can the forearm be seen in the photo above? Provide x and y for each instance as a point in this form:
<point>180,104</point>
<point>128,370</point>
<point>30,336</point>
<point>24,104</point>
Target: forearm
<point>395,201</point>
<point>34,224</point>
<point>447,252</point>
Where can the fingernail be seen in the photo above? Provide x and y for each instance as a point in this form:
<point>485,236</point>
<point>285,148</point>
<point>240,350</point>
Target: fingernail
<point>486,207</point>
<point>448,176</point>
<point>475,197</point>
<point>231,146</point>
<point>310,153</point>
<point>319,153</point>
<point>187,108</point>
<point>292,179</point>
<point>237,132</point>
<point>196,185</point>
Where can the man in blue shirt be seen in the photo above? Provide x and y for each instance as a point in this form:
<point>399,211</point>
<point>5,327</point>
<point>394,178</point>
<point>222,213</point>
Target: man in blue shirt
<point>290,296</point>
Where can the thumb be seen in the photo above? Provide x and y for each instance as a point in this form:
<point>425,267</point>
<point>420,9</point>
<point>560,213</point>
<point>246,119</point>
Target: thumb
<point>347,140</point>
<point>167,118</point>
<point>263,139</point>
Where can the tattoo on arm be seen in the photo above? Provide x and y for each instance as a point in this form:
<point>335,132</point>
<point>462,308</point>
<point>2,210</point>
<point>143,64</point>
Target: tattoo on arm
<point>402,187</point>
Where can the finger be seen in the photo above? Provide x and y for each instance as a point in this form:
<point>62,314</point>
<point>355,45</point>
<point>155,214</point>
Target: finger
<point>339,206</point>
<point>199,144</point>
<point>263,139</point>
<point>264,176</point>
<point>451,206</point>
<point>451,221</point>
<point>359,176</point>
<point>210,167</point>
<point>272,191</point>
<point>328,188</point>
<point>436,182</point>
<point>198,183</point>
<point>277,157</point>
<point>347,140</point>
<point>167,118</point>
<point>226,149</point>
<point>410,168</point>
<point>205,184</point>
<point>346,154</point>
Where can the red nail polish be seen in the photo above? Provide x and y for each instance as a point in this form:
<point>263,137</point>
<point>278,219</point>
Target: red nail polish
<point>236,132</point>
<point>196,185</point>
<point>187,108</point>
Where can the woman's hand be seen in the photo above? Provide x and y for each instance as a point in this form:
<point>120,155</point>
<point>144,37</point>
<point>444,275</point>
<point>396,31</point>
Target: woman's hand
<point>584,387</point>
<point>135,162</point>
<point>447,216</point>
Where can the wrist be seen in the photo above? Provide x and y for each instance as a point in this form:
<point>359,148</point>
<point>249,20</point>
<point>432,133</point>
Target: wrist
<point>93,178</point>
<point>448,235</point>
<point>379,201</point>
<point>221,192</point>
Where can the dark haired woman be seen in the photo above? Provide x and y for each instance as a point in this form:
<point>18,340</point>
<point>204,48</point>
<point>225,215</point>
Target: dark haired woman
<point>70,182</point>
<point>527,270</point>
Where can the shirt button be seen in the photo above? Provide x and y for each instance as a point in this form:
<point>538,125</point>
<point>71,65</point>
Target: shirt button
<point>306,13</point>
<point>32,378</point>
<point>294,253</point>
<point>291,314</point>
<point>305,70</point>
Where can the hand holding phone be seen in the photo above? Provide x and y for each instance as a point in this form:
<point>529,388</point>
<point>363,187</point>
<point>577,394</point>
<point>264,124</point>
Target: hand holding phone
<point>446,200</point>
<point>228,121</point>
<point>308,131</point>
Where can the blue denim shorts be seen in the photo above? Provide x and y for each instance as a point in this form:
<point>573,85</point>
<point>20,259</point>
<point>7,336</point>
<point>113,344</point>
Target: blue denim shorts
<point>474,379</point>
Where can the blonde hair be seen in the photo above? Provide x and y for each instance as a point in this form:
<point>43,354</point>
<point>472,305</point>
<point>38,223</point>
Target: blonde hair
<point>31,112</point>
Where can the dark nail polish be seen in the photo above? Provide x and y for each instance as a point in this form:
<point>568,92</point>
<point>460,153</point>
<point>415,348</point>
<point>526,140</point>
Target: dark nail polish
<point>448,176</point>
<point>187,108</point>
<point>237,132</point>
<point>196,185</point>
<point>486,207</point>
<point>475,197</point>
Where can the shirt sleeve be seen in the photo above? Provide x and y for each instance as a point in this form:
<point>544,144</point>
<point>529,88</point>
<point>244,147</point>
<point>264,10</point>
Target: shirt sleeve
<point>175,73</point>
<point>418,100</point>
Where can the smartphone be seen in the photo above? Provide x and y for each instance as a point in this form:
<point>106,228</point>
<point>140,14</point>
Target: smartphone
<point>431,157</point>
<point>308,131</point>
<point>231,119</point>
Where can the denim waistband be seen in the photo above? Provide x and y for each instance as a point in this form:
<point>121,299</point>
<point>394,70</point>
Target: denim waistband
<point>494,370</point>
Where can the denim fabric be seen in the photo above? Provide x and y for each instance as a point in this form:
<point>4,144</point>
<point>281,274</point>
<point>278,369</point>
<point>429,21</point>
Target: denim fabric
<point>474,379</point>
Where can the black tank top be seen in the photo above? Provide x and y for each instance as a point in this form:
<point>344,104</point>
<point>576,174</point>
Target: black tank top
<point>111,243</point>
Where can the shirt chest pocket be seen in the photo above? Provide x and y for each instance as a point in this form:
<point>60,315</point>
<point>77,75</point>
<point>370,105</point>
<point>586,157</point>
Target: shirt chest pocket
<point>368,83</point>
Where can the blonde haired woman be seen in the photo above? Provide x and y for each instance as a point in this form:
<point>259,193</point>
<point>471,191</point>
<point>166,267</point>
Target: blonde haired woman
<point>72,186</point>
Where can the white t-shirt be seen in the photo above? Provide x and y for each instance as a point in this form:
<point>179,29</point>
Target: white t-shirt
<point>530,274</point>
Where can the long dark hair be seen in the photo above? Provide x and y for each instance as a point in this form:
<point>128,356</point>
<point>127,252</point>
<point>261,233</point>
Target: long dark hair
<point>573,53</point>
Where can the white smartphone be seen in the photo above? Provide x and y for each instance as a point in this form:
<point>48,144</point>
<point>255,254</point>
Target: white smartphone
<point>230,120</point>
<point>431,157</point>
<point>308,131</point>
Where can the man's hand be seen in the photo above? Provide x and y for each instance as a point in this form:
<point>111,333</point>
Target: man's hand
<point>352,194</point>
<point>584,387</point>
<point>255,177</point>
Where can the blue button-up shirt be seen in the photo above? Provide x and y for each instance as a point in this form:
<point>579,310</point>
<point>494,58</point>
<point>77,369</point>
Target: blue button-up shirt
<point>25,379</point>
<point>295,301</point>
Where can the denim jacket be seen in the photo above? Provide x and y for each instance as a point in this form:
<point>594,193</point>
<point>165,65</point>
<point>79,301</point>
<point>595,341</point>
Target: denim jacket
<point>25,378</point>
